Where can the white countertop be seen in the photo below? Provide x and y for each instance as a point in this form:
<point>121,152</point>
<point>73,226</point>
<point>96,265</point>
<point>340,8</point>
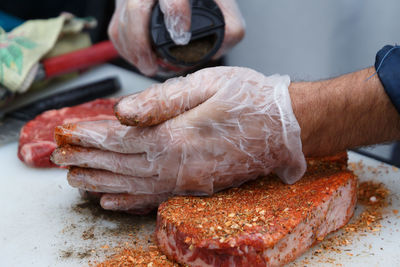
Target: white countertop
<point>42,223</point>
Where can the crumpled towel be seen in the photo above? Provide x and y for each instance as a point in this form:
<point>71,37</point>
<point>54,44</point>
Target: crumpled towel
<point>22,48</point>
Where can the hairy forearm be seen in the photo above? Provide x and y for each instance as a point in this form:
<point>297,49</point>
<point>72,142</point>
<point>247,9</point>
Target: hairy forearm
<point>342,113</point>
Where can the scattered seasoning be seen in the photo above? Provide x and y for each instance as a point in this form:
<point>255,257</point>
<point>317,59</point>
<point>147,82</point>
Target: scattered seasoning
<point>135,252</point>
<point>372,198</point>
<point>267,215</point>
<point>88,234</point>
<point>101,230</point>
<point>372,193</point>
<point>220,218</point>
<point>136,256</point>
<point>370,217</point>
<point>266,205</point>
<point>366,222</point>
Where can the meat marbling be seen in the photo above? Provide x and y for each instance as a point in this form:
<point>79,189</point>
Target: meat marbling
<point>36,141</point>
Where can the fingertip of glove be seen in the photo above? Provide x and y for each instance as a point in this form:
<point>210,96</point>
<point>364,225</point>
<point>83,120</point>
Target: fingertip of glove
<point>125,111</point>
<point>136,120</point>
<point>124,117</point>
<point>55,156</point>
<point>62,133</point>
<point>151,70</point>
<point>181,38</point>
<point>74,177</point>
<point>62,153</point>
<point>107,203</point>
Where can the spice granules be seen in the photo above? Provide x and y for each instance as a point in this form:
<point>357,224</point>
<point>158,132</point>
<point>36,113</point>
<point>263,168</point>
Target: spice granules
<point>138,256</point>
<point>373,199</point>
<point>267,206</point>
<point>98,229</point>
<point>261,211</point>
<point>366,222</point>
<point>373,196</point>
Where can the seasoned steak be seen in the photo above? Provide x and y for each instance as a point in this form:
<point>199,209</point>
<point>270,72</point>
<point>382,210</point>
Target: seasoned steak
<point>36,141</point>
<point>262,223</point>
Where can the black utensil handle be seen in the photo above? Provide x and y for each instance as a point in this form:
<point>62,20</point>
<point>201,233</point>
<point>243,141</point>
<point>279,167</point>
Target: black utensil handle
<point>71,97</point>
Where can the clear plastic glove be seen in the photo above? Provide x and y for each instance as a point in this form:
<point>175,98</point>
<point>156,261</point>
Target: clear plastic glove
<point>129,28</point>
<point>199,134</point>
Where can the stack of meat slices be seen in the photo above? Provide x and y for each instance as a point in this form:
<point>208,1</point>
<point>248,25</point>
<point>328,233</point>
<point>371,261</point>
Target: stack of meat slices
<point>262,223</point>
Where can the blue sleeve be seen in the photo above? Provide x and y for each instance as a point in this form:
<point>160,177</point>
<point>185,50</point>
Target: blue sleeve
<point>387,65</point>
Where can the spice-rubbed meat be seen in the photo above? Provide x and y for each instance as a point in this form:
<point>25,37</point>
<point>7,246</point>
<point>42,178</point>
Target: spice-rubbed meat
<point>262,223</point>
<point>36,141</point>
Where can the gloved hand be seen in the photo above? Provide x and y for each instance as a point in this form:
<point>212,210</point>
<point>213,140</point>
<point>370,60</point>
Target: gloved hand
<point>199,134</point>
<point>129,28</point>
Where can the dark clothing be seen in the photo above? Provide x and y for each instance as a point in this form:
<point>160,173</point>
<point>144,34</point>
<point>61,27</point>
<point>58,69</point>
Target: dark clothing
<point>387,65</point>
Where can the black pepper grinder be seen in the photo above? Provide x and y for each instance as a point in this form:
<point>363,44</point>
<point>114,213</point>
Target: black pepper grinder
<point>207,28</point>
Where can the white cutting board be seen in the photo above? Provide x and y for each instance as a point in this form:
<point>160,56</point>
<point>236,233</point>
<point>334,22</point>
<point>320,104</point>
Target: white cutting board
<point>40,225</point>
<point>36,218</point>
<point>37,204</point>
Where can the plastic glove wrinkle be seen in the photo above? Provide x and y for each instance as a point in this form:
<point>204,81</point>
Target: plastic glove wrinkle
<point>239,126</point>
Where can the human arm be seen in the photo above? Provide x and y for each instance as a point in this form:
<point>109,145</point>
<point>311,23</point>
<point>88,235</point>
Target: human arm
<point>219,128</point>
<point>199,134</point>
<point>346,112</point>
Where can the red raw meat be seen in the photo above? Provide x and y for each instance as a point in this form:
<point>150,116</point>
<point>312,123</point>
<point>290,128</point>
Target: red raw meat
<point>36,141</point>
<point>262,223</point>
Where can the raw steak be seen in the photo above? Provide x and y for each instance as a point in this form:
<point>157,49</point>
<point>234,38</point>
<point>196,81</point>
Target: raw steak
<point>262,223</point>
<point>36,141</point>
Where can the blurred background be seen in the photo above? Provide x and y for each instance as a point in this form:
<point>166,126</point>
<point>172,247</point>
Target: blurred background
<point>313,39</point>
<point>308,39</point>
<point>43,9</point>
